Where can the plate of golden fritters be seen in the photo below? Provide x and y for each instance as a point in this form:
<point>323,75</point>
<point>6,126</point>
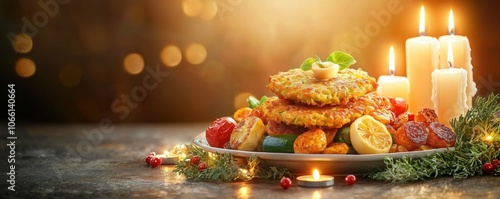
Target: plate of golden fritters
<point>334,164</point>
<point>305,105</point>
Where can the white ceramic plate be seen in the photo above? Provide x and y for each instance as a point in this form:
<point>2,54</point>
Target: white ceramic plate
<point>325,163</point>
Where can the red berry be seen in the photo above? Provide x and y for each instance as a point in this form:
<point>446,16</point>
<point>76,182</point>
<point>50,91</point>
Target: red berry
<point>285,183</point>
<point>194,160</point>
<point>148,159</point>
<point>488,168</point>
<point>495,163</point>
<point>155,161</point>
<point>202,166</point>
<point>350,179</point>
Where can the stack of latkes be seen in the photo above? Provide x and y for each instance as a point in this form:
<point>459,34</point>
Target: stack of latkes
<point>316,109</point>
<point>304,102</point>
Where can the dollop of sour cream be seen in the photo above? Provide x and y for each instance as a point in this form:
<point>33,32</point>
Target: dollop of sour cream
<point>328,71</point>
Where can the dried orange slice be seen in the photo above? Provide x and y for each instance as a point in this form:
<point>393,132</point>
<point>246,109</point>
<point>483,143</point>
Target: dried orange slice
<point>369,136</point>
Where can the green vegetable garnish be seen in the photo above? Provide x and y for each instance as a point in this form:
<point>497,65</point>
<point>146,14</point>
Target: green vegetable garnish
<point>343,59</point>
<point>254,102</point>
<point>307,64</point>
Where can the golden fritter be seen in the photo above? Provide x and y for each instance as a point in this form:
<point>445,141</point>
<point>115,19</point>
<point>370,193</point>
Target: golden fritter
<point>287,112</point>
<point>301,87</point>
<point>336,148</point>
<point>312,141</point>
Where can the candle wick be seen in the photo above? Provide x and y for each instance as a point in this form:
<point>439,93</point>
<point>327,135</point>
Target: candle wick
<point>391,72</point>
<point>450,65</point>
<point>421,33</point>
<point>452,31</point>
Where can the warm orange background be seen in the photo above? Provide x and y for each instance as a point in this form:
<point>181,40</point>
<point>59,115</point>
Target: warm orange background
<point>79,52</point>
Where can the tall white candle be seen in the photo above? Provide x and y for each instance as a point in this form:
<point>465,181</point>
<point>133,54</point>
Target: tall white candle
<point>448,93</point>
<point>391,85</point>
<point>422,57</point>
<point>462,56</point>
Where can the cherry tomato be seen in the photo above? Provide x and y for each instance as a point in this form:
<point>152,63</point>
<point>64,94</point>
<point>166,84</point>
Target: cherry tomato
<point>495,163</point>
<point>219,132</point>
<point>148,159</point>
<point>350,180</point>
<point>285,183</point>
<point>488,168</point>
<point>398,105</point>
<point>202,166</point>
<point>194,160</point>
<point>155,161</point>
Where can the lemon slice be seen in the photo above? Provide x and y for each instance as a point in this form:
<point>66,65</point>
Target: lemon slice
<point>369,136</point>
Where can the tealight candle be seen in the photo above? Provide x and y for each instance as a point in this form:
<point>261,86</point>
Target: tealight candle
<point>315,180</point>
<point>167,158</point>
<point>391,85</point>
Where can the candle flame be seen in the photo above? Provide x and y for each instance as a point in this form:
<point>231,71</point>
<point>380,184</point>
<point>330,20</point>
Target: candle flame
<point>421,27</point>
<point>450,54</point>
<point>316,174</point>
<point>392,60</point>
<point>451,23</point>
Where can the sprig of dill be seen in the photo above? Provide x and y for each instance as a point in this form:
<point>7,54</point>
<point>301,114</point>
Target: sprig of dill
<point>478,141</point>
<point>225,168</point>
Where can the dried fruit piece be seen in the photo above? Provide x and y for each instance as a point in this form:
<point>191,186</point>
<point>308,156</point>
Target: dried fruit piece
<point>411,135</point>
<point>426,115</point>
<point>440,136</point>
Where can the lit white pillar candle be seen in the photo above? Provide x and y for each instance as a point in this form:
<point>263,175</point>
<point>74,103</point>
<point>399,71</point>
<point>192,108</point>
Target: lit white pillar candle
<point>422,57</point>
<point>448,92</point>
<point>461,56</point>
<point>391,85</point>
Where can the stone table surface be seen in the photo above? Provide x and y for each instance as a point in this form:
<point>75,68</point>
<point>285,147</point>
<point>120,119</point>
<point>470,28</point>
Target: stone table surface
<point>91,161</point>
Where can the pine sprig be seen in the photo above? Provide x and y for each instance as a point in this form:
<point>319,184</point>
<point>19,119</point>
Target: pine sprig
<point>478,141</point>
<point>225,168</point>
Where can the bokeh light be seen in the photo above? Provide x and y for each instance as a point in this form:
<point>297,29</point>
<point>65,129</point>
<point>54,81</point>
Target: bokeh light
<point>25,67</point>
<point>133,63</point>
<point>196,53</point>
<point>213,72</point>
<point>70,75</point>
<point>22,43</point>
<point>209,10</point>
<point>192,8</point>
<point>171,56</point>
<point>240,100</point>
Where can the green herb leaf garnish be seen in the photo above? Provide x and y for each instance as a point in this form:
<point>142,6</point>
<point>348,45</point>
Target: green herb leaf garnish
<point>307,64</point>
<point>343,59</point>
